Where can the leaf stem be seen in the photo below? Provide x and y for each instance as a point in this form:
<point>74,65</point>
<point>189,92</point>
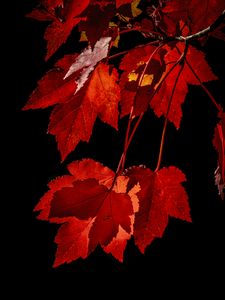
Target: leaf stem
<point>203,87</point>
<point>128,139</point>
<point>156,90</point>
<point>180,60</point>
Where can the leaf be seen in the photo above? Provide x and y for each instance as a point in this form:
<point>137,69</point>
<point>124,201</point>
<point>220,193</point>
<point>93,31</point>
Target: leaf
<point>52,89</point>
<point>161,99</point>
<point>219,144</point>
<point>72,120</point>
<point>198,19</point>
<point>63,21</point>
<point>154,89</point>
<point>72,241</point>
<point>134,8</point>
<point>161,196</point>
<point>134,93</point>
<point>93,213</point>
<point>99,14</point>
<point>87,60</point>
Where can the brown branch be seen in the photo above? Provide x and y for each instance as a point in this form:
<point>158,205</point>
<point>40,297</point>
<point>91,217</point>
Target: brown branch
<point>203,32</point>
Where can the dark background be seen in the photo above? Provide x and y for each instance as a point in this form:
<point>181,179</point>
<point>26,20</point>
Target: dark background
<point>196,248</point>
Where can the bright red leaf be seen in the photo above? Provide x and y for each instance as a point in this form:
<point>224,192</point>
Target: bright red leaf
<point>62,20</point>
<point>161,100</point>
<point>93,205</point>
<point>93,213</point>
<point>153,88</point>
<point>73,121</point>
<point>72,241</point>
<point>161,196</point>
<point>73,118</point>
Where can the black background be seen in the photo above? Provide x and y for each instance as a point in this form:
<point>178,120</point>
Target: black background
<point>196,248</point>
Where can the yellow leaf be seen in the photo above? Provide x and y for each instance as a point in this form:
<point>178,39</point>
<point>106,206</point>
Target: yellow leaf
<point>132,76</point>
<point>147,79</point>
<point>116,41</point>
<point>134,8</point>
<point>83,37</point>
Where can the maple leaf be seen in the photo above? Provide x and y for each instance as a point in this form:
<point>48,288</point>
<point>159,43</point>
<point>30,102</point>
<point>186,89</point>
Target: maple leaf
<point>72,120</point>
<point>153,89</point>
<point>88,59</point>
<point>161,196</point>
<point>133,92</point>
<point>72,241</point>
<point>92,212</point>
<point>197,19</point>
<point>96,25</point>
<point>62,20</point>
<point>161,99</point>
<point>52,89</point>
<point>219,144</point>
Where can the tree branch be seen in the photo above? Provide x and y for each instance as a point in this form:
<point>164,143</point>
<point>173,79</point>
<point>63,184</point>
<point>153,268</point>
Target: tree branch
<point>203,32</point>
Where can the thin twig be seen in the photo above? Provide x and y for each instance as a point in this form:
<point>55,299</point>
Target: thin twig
<point>203,32</point>
<point>203,87</point>
<point>168,109</point>
<point>127,139</point>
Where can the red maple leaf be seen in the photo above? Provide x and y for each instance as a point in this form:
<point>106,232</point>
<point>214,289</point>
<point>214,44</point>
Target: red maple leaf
<point>161,99</point>
<point>73,118</point>
<point>99,13</point>
<point>161,196</point>
<point>94,205</point>
<point>219,144</point>
<point>153,88</point>
<point>52,89</point>
<point>197,14</point>
<point>62,20</point>
<point>93,212</point>
<point>134,91</point>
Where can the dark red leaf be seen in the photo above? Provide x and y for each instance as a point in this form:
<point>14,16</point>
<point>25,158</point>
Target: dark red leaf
<point>99,13</point>
<point>161,196</point>
<point>133,92</point>
<point>63,20</point>
<point>197,14</point>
